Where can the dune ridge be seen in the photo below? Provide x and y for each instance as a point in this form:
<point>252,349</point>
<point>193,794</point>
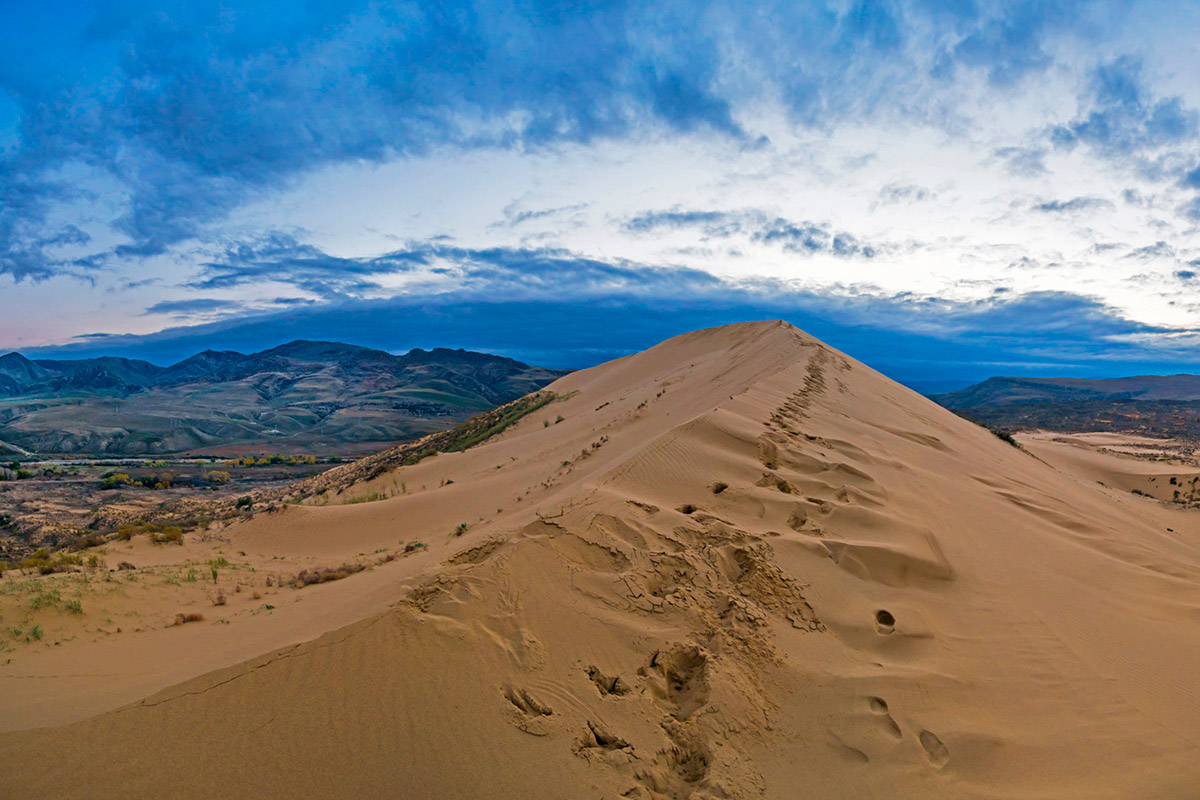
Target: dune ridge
<point>737,565</point>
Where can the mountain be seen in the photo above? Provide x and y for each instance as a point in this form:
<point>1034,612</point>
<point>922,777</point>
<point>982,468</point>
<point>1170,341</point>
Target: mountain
<point>301,396</point>
<point>212,365</point>
<point>1007,391</point>
<point>737,565</point>
<point>18,372</point>
<point>1157,405</point>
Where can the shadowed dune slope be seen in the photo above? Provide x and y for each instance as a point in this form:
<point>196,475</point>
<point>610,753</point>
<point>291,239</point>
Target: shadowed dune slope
<point>742,565</point>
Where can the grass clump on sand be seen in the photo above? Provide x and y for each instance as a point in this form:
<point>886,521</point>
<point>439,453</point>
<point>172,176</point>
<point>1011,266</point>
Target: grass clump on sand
<point>159,533</point>
<point>168,533</point>
<point>366,498</point>
<point>45,562</point>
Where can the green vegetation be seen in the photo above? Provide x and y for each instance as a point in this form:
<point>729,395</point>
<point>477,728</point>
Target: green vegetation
<point>167,533</point>
<point>45,562</point>
<point>13,471</point>
<point>476,430</point>
<point>158,533</point>
<point>45,598</point>
<point>117,480</point>
<point>371,497</point>
<point>480,428</point>
<point>271,460</point>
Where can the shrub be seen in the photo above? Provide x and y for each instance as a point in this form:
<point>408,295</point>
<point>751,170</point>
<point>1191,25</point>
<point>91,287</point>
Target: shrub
<point>1005,436</point>
<point>324,575</point>
<point>47,564</point>
<point>116,480</point>
<point>168,533</point>
<point>90,540</point>
<point>460,529</point>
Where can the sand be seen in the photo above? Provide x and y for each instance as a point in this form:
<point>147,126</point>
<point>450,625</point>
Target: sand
<point>741,565</point>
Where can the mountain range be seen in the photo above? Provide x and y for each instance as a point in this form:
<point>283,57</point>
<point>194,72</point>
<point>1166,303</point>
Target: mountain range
<point>1159,405</point>
<point>301,396</point>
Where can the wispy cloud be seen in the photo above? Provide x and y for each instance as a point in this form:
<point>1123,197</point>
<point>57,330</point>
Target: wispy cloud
<point>801,237</point>
<point>192,307</point>
<point>1072,205</point>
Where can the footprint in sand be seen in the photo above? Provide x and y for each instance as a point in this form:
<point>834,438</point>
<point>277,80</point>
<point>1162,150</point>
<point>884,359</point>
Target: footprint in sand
<point>936,751</point>
<point>879,707</point>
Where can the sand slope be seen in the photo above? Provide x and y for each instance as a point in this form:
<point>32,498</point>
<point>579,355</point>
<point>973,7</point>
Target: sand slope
<point>742,565</point>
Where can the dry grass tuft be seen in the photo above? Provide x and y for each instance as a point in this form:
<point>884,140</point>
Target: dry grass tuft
<point>326,574</point>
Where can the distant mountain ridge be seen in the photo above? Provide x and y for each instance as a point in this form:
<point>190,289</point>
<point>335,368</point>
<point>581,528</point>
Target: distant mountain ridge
<point>302,394</point>
<point>1001,391</point>
<point>1158,405</point>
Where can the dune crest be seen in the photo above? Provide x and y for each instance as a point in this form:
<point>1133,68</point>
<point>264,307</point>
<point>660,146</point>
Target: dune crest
<point>737,565</point>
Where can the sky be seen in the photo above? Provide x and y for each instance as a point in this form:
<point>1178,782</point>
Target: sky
<point>945,190</point>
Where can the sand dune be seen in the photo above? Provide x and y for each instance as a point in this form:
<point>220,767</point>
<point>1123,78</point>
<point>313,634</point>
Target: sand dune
<point>741,565</point>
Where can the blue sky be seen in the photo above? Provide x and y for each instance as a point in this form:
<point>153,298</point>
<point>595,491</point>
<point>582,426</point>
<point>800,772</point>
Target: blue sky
<point>945,190</point>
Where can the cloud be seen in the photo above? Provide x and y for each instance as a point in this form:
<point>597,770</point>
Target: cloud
<point>194,306</point>
<point>179,115</point>
<point>1010,45</point>
<point>711,223</point>
<point>279,257</point>
<point>1124,118</point>
<point>1023,162</point>
<point>435,267</point>
<point>802,237</point>
<point>514,215</point>
<point>1152,251</point>
<point>895,193</point>
<point>1191,209</point>
<point>1073,205</point>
